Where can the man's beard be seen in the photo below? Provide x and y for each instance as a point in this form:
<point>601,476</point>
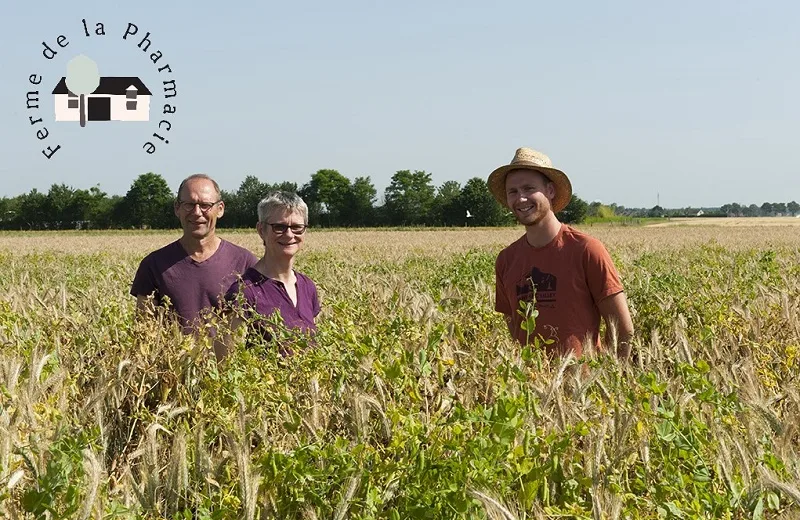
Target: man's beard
<point>537,215</point>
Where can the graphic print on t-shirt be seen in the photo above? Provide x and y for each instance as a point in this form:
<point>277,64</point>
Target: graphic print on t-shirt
<point>545,284</point>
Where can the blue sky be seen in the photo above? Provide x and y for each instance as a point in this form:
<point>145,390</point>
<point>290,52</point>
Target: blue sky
<point>693,102</point>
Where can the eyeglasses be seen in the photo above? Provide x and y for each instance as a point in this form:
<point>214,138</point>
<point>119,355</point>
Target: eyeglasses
<point>204,206</point>
<point>297,229</point>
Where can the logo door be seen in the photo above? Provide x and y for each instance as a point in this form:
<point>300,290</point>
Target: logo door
<point>99,109</point>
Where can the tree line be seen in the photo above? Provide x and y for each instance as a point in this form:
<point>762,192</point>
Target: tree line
<point>734,209</point>
<point>411,199</point>
<point>334,200</point>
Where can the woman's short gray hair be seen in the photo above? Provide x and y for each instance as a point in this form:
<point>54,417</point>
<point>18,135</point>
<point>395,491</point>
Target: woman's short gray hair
<point>282,201</point>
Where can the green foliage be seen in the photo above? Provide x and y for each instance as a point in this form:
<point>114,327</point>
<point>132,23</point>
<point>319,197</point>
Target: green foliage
<point>360,206</point>
<point>241,207</point>
<point>412,403</point>
<point>486,211</point>
<point>148,203</point>
<point>448,209</point>
<point>409,198</point>
<point>59,488</point>
<point>575,212</point>
<point>327,195</point>
<point>334,201</point>
<point>599,210</point>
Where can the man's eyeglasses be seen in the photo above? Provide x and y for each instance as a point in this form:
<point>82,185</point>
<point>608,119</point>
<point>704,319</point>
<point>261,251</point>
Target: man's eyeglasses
<point>204,206</point>
<point>297,229</point>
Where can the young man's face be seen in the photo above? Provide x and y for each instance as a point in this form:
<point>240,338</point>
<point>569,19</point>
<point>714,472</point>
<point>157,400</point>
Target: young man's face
<point>529,194</point>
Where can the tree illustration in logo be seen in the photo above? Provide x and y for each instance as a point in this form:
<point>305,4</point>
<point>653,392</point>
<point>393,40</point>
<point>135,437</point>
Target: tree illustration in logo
<point>83,78</point>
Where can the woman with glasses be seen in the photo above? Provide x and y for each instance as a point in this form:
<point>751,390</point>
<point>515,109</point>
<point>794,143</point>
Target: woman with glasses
<point>273,285</point>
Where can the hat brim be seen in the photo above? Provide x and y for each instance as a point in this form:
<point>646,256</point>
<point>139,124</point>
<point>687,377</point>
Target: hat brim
<point>497,184</point>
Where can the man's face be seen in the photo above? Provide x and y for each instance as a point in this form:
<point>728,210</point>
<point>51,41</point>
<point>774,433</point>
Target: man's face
<point>197,222</point>
<point>529,194</point>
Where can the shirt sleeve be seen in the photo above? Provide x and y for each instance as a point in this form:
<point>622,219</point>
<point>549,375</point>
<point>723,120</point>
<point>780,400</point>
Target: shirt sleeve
<point>251,261</point>
<point>235,298</point>
<point>144,283</point>
<point>601,274</point>
<point>501,303</point>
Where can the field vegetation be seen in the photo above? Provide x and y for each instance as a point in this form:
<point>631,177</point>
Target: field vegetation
<point>414,402</point>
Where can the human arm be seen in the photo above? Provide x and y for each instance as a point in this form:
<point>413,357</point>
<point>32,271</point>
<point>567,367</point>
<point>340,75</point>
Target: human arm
<point>223,342</point>
<point>617,317</point>
<point>608,292</point>
<point>501,303</point>
<point>142,305</point>
<point>233,309</point>
<point>143,287</point>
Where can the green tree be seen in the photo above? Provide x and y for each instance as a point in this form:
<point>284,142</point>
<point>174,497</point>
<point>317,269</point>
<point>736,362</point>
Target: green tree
<point>575,212</point>
<point>9,212</point>
<point>599,210</point>
<point>244,204</point>
<point>287,186</point>
<point>751,211</point>
<point>233,210</point>
<point>59,209</point>
<point>31,210</point>
<point>102,211</point>
<point>327,195</point>
<point>359,208</point>
<point>447,210</point>
<point>149,203</point>
<point>409,198</point>
<point>793,208</point>
<point>476,199</point>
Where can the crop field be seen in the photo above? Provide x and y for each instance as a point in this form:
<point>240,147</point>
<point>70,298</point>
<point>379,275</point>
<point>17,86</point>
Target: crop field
<point>414,402</point>
<point>731,221</point>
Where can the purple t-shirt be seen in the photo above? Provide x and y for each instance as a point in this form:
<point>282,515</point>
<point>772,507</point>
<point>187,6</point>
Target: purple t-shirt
<point>264,296</point>
<point>190,285</point>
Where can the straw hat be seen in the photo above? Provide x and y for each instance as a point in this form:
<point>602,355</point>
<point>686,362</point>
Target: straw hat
<point>528,159</point>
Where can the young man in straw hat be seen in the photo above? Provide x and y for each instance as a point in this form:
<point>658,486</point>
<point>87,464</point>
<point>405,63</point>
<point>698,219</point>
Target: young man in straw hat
<point>569,274</point>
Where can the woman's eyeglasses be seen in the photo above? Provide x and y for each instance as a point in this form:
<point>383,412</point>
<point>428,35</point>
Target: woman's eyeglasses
<point>297,229</point>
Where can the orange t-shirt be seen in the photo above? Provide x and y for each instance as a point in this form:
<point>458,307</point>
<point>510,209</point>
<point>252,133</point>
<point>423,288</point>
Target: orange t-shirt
<point>571,275</point>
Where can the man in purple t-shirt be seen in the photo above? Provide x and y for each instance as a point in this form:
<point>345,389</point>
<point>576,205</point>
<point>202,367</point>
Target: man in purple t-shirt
<point>194,271</point>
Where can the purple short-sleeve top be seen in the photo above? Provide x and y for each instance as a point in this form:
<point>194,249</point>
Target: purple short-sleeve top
<point>191,286</point>
<point>263,296</point>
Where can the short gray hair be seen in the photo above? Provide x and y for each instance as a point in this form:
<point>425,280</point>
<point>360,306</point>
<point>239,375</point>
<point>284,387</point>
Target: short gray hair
<point>282,201</point>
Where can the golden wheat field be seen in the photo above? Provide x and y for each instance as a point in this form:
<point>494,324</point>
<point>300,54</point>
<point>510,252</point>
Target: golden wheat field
<point>755,232</point>
<point>731,221</point>
<point>413,402</point>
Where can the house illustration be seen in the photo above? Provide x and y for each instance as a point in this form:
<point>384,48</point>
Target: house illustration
<point>115,99</point>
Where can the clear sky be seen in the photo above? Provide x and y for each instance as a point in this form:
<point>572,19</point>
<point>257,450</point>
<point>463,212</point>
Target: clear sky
<point>692,102</point>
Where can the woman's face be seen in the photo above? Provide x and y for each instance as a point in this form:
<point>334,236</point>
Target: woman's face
<point>282,232</point>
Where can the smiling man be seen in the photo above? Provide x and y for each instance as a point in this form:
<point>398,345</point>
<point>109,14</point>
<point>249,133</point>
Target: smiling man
<point>568,274</point>
<point>194,271</point>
